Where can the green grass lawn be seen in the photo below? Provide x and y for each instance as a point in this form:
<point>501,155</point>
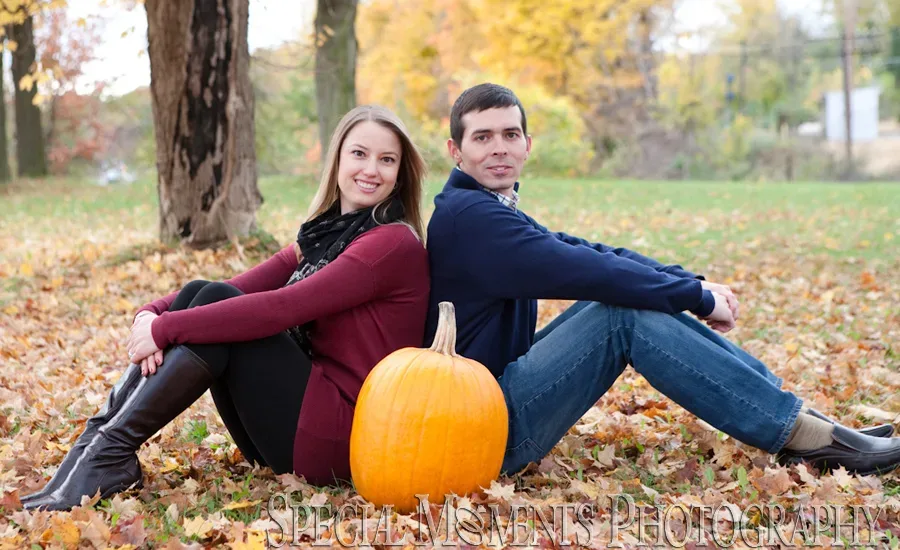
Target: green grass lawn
<point>684,221</point>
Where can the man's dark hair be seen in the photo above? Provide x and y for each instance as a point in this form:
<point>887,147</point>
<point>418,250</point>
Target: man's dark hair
<point>481,98</point>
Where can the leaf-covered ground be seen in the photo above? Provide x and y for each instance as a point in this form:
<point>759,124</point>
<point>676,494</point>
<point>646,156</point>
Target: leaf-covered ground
<point>815,266</point>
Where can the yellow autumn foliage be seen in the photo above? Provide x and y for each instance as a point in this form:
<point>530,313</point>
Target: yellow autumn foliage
<point>562,58</point>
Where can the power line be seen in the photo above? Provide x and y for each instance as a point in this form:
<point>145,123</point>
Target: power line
<point>737,50</point>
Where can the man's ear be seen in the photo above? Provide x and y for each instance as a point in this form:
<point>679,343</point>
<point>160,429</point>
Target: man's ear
<point>455,154</point>
<point>527,146</point>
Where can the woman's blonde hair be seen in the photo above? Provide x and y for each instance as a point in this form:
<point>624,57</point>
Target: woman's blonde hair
<point>409,177</point>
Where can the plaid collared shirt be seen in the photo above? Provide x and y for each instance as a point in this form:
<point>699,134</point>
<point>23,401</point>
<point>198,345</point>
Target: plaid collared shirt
<point>512,202</point>
<point>504,200</point>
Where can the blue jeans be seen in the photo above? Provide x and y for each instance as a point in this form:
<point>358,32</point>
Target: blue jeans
<point>577,357</point>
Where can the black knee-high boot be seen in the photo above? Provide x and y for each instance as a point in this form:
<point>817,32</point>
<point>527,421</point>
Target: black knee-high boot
<point>117,396</point>
<point>108,462</point>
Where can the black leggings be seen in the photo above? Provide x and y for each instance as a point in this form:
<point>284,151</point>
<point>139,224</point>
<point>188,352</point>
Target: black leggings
<point>259,384</point>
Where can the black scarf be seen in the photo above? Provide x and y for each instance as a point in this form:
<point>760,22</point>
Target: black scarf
<point>323,238</point>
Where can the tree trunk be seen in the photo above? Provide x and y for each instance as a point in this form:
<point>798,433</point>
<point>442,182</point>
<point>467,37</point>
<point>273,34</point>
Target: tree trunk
<point>335,63</point>
<point>895,55</point>
<point>203,120</point>
<point>644,56</point>
<point>4,146</point>
<point>32,160</point>
<point>849,29</point>
<point>51,120</point>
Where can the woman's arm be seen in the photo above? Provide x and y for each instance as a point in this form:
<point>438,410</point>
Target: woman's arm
<point>365,271</point>
<point>343,284</point>
<point>157,306</point>
<point>267,275</point>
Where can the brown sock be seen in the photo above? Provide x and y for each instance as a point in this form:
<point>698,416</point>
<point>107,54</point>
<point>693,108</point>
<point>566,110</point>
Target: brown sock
<point>809,433</point>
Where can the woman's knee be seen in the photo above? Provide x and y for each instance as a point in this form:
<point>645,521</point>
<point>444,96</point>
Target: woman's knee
<point>187,294</point>
<point>214,292</point>
<point>193,287</point>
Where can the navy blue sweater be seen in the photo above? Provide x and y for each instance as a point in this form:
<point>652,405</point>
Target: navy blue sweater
<point>493,262</point>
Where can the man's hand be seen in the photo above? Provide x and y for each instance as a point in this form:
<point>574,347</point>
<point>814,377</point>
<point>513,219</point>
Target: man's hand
<point>721,319</point>
<point>726,292</point>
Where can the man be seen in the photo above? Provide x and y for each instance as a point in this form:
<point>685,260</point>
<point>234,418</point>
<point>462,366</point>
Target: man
<point>493,261</point>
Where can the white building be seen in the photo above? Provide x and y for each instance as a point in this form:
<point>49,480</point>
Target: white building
<point>864,110</point>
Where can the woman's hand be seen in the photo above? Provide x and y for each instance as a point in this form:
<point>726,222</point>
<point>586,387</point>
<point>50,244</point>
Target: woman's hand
<point>141,347</point>
<point>143,313</point>
<point>149,364</point>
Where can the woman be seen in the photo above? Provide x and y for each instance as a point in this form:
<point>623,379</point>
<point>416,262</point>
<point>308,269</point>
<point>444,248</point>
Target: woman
<point>285,347</point>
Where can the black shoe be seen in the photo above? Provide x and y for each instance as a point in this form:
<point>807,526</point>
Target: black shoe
<point>859,453</point>
<point>882,430</point>
<point>109,462</point>
<point>117,396</point>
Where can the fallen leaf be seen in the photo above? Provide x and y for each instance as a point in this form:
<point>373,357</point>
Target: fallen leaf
<point>843,478</point>
<point>500,492</point>
<point>688,471</point>
<point>774,481</point>
<point>607,456</point>
<point>805,476</point>
<point>61,531</point>
<point>129,532</point>
<point>874,413</point>
<point>255,541</point>
<point>95,531</point>
<point>589,490</point>
<point>10,500</point>
<point>244,504</point>
<point>126,508</point>
<point>199,527</point>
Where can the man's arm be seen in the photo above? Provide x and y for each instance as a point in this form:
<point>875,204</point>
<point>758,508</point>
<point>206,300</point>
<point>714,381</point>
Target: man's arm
<point>676,270</point>
<point>507,257</point>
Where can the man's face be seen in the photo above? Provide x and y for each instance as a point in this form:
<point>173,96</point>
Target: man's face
<point>493,148</point>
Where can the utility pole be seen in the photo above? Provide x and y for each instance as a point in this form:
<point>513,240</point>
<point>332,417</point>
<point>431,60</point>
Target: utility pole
<point>742,77</point>
<point>796,44</point>
<point>849,28</point>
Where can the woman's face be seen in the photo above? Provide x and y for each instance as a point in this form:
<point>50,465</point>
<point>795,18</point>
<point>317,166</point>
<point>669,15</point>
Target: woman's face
<point>368,165</point>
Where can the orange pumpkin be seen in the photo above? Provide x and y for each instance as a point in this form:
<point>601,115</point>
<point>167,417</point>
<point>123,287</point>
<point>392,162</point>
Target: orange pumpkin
<point>427,421</point>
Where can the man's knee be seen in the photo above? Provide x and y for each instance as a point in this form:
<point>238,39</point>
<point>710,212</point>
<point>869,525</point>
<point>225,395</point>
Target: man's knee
<point>214,292</point>
<point>619,316</point>
<point>652,321</point>
<point>614,316</point>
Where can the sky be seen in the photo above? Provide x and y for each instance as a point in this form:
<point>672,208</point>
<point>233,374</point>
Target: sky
<point>699,15</point>
<point>122,60</point>
<point>123,63</point>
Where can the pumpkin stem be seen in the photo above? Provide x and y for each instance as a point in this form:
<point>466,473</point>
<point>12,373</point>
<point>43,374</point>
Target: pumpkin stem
<point>445,335</point>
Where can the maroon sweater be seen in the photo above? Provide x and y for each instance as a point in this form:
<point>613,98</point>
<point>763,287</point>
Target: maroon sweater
<point>370,301</point>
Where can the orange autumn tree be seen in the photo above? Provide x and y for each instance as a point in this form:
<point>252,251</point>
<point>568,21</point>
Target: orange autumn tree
<point>17,29</point>
<point>73,128</point>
